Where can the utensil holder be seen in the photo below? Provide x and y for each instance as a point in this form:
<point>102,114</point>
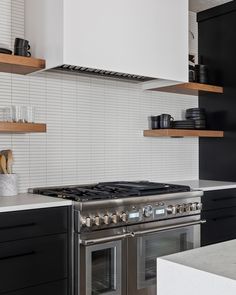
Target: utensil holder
<point>8,185</point>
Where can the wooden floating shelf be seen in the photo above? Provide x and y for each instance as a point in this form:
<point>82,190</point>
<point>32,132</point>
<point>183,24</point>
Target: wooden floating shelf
<point>9,127</point>
<point>20,65</point>
<point>182,133</point>
<point>190,88</point>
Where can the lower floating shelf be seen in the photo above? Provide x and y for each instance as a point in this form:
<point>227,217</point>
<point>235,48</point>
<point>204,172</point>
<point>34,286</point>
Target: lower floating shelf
<point>182,133</point>
<point>9,127</point>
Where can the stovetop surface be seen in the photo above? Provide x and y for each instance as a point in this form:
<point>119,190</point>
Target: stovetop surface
<point>111,190</point>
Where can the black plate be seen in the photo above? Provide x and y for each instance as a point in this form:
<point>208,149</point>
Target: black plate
<point>5,51</point>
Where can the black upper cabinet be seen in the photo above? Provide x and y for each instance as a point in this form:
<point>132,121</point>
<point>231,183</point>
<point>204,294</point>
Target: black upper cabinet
<point>217,49</point>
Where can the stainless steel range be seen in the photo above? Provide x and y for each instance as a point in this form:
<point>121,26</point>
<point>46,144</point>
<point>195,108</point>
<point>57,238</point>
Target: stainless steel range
<point>122,227</point>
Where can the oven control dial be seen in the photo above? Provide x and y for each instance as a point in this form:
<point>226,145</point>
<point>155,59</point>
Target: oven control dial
<point>180,209</point>
<point>88,222</point>
<point>106,219</point>
<point>199,206</point>
<point>114,218</point>
<point>187,208</point>
<point>123,217</point>
<point>97,220</point>
<point>170,209</point>
<point>148,211</point>
<point>193,207</point>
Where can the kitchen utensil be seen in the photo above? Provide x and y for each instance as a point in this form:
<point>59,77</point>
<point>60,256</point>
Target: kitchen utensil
<point>9,159</point>
<point>3,164</point>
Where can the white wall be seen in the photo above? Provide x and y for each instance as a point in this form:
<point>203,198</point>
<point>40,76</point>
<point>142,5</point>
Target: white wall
<point>94,126</point>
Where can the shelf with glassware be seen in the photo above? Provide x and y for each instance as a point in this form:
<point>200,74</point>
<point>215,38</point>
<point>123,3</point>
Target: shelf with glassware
<point>12,127</point>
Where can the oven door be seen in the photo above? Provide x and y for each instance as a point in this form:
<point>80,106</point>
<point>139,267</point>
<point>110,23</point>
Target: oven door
<point>102,263</point>
<point>154,240</point>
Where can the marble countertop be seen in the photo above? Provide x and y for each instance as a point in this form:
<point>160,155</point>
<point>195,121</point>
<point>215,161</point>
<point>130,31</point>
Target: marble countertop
<point>206,270</point>
<point>219,259</point>
<point>30,201</point>
<point>206,185</point>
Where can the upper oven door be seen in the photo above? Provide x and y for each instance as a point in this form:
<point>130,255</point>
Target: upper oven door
<point>102,263</point>
<point>149,244</point>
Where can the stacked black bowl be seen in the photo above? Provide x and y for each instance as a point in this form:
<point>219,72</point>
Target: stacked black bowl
<point>198,115</point>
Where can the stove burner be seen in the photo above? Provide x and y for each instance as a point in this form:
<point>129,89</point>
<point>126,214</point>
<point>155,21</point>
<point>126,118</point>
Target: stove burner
<point>111,190</point>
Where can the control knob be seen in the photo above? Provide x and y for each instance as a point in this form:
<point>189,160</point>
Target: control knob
<point>169,209</point>
<point>193,207</point>
<point>97,220</point>
<point>114,218</point>
<point>148,211</point>
<point>199,206</point>
<point>180,209</point>
<point>88,221</point>
<point>187,208</point>
<point>123,217</point>
<point>106,219</point>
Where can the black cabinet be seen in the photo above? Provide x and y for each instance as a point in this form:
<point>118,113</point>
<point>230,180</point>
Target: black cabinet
<point>35,252</point>
<point>217,47</point>
<point>219,210</point>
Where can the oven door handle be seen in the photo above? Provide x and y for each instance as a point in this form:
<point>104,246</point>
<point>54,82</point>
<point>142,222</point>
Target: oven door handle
<point>138,233</point>
<point>106,239</point>
<point>170,227</point>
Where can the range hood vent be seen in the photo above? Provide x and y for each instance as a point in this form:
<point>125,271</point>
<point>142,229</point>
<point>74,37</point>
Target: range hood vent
<point>103,73</point>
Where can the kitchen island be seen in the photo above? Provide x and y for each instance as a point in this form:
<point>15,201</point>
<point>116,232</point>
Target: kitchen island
<point>208,270</point>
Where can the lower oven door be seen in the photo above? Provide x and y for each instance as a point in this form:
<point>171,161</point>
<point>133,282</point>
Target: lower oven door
<point>154,240</point>
<point>102,263</point>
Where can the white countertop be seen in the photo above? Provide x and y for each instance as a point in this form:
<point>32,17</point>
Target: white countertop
<point>206,185</point>
<point>30,201</point>
<point>211,269</point>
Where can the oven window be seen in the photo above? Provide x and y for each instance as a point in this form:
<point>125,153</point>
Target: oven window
<point>165,246</point>
<point>151,246</point>
<point>103,271</point>
<point>103,268</point>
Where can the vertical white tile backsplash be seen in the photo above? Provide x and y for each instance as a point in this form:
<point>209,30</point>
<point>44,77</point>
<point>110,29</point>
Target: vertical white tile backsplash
<point>94,126</point>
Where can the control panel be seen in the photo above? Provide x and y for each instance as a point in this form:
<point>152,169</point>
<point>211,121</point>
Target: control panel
<point>138,214</point>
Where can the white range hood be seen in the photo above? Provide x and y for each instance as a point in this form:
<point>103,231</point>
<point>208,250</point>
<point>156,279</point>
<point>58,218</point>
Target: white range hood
<point>140,39</point>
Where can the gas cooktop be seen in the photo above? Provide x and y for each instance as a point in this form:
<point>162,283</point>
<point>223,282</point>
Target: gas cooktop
<point>110,190</point>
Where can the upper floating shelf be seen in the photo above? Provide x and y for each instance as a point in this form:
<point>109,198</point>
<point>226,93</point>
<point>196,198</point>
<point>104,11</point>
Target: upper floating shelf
<point>190,88</point>
<point>20,65</point>
<point>182,133</point>
<point>9,127</point>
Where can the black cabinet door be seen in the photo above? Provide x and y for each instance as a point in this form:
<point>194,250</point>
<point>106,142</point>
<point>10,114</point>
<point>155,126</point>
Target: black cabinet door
<point>55,288</point>
<point>217,47</point>
<point>33,223</point>
<point>213,200</point>
<point>31,262</point>
<point>220,226</point>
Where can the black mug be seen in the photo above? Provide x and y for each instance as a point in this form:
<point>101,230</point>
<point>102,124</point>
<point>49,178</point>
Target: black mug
<point>21,52</point>
<point>166,121</point>
<point>155,122</point>
<point>23,43</point>
<point>22,47</point>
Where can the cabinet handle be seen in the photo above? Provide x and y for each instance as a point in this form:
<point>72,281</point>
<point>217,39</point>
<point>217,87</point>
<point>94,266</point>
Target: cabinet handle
<point>224,217</point>
<point>223,199</point>
<point>17,226</point>
<point>17,255</point>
